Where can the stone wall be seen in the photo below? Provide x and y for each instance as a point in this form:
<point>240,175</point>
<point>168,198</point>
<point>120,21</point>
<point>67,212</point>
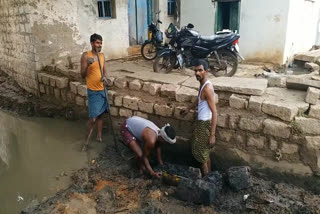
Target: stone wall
<point>267,127</point>
<point>17,51</point>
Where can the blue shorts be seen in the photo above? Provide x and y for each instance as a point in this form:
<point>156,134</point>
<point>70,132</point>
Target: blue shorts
<point>97,103</point>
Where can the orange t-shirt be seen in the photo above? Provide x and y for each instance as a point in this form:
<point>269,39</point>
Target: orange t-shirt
<point>93,77</point>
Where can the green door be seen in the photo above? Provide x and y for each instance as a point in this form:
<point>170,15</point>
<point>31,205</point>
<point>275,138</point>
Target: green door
<point>227,15</point>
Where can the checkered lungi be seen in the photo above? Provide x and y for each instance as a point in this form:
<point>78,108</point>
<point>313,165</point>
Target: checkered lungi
<point>200,141</point>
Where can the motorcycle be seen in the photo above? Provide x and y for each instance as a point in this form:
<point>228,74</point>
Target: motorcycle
<point>151,47</point>
<point>221,51</point>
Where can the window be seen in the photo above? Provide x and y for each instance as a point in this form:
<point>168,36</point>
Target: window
<point>106,8</point>
<point>171,7</point>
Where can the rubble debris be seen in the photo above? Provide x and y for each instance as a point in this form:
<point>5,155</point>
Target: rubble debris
<point>239,177</point>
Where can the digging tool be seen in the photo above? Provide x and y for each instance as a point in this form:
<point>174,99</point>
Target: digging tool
<point>109,115</point>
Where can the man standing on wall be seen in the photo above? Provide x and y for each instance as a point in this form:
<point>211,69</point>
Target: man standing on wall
<point>205,126</point>
<point>97,102</point>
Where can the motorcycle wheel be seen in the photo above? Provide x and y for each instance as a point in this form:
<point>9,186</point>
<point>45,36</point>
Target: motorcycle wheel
<point>229,64</point>
<point>164,64</point>
<point>149,50</point>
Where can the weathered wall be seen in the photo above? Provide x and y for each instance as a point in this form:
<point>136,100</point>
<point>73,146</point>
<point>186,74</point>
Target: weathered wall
<point>18,55</point>
<point>263,27</point>
<point>303,25</point>
<point>201,14</point>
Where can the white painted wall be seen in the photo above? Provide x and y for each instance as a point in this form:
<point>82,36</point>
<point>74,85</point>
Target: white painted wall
<point>263,27</point>
<point>62,28</point>
<point>303,26</point>
<point>200,13</point>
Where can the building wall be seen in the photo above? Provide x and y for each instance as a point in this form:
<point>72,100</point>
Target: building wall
<point>263,30</point>
<point>201,14</point>
<point>35,33</point>
<point>17,51</point>
<point>303,25</point>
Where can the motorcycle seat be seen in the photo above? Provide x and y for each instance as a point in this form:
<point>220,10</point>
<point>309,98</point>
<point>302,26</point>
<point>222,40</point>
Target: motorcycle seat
<point>213,37</point>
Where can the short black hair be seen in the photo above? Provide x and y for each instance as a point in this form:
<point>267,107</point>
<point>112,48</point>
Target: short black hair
<point>95,37</point>
<point>203,62</point>
<point>170,132</point>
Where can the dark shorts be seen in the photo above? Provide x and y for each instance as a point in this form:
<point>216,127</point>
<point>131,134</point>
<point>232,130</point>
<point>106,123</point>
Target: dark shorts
<point>126,134</point>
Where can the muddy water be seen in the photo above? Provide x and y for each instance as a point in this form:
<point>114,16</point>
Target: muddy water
<point>37,157</point>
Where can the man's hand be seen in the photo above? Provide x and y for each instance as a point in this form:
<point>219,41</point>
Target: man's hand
<point>90,61</point>
<point>104,80</point>
<point>156,174</point>
<point>212,140</point>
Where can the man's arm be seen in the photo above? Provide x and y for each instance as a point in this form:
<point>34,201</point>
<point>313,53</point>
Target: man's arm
<point>159,156</point>
<point>209,95</point>
<point>84,65</point>
<point>146,152</point>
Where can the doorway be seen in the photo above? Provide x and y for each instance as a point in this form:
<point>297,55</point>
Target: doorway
<point>139,13</point>
<point>227,15</point>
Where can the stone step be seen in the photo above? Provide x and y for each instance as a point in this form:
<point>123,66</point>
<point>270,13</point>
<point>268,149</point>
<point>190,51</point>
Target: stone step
<point>310,56</point>
<point>302,83</point>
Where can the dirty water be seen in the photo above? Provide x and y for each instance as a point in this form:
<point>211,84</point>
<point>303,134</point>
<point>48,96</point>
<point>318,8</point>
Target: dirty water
<point>37,158</point>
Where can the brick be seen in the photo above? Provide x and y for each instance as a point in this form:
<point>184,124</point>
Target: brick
<point>151,88</point>
<point>145,106</point>
<point>47,87</point>
<point>39,77</point>
<point>118,100</point>
<point>71,97</point>
<point>315,111</point>
<point>163,110</point>
<point>185,94</point>
<point>110,81</point>
<point>45,79</point>
<point>256,141</point>
<point>277,81</point>
<point>80,101</point>
<point>64,94</point>
<point>225,134</point>
<point>233,121</point>
<point>130,102</point>
<point>182,113</point>
<point>255,103</point>
<point>62,82</point>
<point>52,81</point>
<point>74,87</point>
<point>125,112</point>
<point>238,102</point>
<point>135,85</point>
<point>111,95</point>
<point>42,89</point>
<point>82,90</point>
<point>276,128</point>
<point>289,148</point>
<point>121,82</point>
<point>273,145</point>
<point>240,139</point>
<point>140,114</point>
<point>308,125</point>
<point>222,120</point>
<point>57,93</point>
<point>169,90</point>
<point>281,110</point>
<point>114,111</point>
<point>313,95</point>
<point>250,124</point>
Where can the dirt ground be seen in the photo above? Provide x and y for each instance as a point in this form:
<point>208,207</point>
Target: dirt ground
<point>111,184</point>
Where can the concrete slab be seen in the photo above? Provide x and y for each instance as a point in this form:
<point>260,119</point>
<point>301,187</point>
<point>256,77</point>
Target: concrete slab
<point>302,83</point>
<point>310,56</point>
<point>284,103</point>
<point>171,78</point>
<point>248,86</point>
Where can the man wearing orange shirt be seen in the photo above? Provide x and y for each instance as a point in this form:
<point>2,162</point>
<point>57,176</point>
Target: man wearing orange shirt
<point>97,102</point>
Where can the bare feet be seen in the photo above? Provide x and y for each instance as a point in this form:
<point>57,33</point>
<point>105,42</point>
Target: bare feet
<point>99,139</point>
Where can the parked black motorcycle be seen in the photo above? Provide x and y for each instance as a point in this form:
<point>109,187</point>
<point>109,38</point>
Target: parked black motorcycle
<point>221,50</point>
<point>150,47</point>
